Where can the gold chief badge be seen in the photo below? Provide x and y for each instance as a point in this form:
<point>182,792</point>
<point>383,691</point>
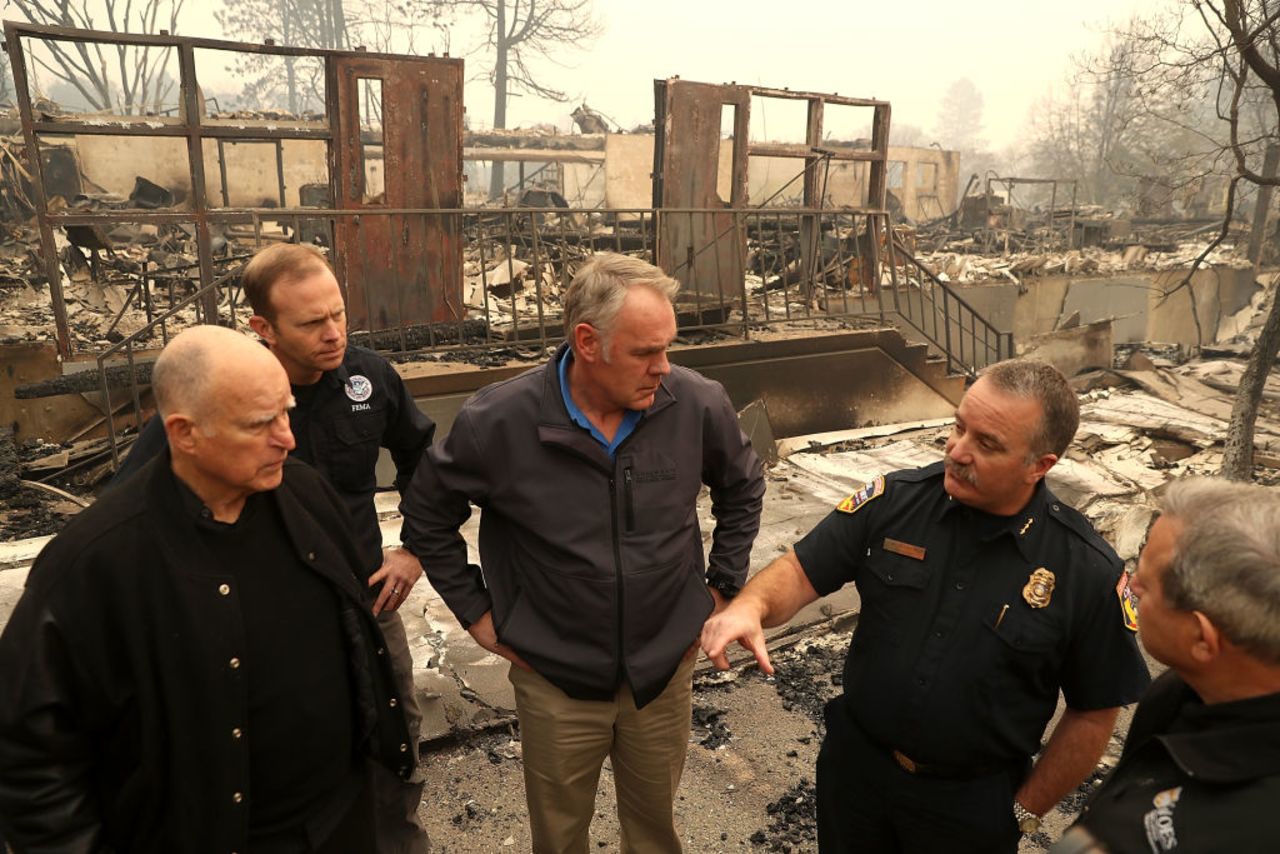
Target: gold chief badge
<point>1039,588</point>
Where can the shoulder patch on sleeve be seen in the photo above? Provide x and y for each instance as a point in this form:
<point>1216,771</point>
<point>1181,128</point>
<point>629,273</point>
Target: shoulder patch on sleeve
<point>872,490</point>
<point>1128,606</point>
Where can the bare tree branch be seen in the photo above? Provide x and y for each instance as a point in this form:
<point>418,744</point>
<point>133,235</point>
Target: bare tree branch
<point>130,81</point>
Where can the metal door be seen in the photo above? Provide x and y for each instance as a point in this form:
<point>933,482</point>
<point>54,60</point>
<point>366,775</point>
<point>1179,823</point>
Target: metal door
<point>400,267</point>
<point>703,246</point>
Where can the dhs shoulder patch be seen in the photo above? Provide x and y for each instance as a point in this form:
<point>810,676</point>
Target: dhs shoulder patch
<point>872,490</point>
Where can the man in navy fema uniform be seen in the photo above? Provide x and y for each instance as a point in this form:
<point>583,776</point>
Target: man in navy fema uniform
<point>349,403</point>
<point>983,596</point>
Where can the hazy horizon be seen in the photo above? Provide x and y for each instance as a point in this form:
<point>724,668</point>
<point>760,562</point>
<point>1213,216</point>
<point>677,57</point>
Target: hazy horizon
<point>1013,54</point>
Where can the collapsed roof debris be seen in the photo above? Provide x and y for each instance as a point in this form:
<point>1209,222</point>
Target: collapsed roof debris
<point>994,237</point>
<point>114,280</point>
<point>1138,430</point>
<point>963,268</point>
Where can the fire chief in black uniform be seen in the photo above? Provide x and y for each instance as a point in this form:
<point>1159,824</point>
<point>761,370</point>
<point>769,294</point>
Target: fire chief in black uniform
<point>1201,766</point>
<point>983,595</point>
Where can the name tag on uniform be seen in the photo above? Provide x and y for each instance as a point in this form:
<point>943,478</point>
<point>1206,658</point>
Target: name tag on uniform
<point>905,549</point>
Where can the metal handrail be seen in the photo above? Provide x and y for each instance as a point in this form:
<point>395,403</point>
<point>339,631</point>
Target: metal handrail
<point>984,342</point>
<point>126,345</point>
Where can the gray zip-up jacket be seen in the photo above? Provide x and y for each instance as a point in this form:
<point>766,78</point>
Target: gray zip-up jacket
<point>593,567</point>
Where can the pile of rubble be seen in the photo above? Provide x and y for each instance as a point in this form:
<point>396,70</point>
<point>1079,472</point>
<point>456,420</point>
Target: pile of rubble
<point>508,291</point>
<point>961,268</point>
<point>793,821</point>
<point>114,281</point>
<point>30,504</point>
<point>133,287</point>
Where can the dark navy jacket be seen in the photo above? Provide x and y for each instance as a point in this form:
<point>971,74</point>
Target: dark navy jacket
<point>1193,777</point>
<point>593,565</point>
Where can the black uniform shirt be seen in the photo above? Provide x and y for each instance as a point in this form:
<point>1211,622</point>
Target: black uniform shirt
<point>342,421</point>
<point>1193,777</point>
<point>339,423</point>
<point>950,662</point>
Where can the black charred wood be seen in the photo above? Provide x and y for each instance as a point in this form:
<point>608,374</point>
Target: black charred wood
<point>81,382</point>
<point>10,482</point>
<point>422,337</point>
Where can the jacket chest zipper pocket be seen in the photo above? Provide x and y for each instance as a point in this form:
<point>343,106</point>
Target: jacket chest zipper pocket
<point>628,500</point>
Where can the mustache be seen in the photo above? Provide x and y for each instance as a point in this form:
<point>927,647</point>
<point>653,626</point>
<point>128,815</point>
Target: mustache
<point>960,472</point>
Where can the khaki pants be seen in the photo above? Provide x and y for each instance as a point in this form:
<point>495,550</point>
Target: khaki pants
<point>564,743</point>
<point>396,801</point>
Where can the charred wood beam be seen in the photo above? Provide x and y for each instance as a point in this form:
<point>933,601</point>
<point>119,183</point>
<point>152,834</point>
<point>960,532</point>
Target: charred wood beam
<point>532,155</point>
<point>594,242</point>
<point>73,34</point>
<point>125,127</point>
<point>826,97</point>
<point>393,340</point>
<point>81,382</point>
<point>779,149</point>
<point>421,337</point>
<point>567,142</point>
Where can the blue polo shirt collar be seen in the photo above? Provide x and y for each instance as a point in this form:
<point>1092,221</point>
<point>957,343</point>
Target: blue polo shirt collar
<point>630,418</point>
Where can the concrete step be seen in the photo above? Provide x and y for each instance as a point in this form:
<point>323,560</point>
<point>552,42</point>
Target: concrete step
<point>949,385</point>
<point>920,358</point>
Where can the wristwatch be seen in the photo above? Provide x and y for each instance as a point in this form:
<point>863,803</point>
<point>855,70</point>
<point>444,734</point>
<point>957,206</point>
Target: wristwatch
<point>724,585</point>
<point>1028,822</point>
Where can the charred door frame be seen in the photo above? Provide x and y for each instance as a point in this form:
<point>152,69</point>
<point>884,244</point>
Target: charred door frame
<point>679,187</point>
<point>399,269</point>
<point>194,129</point>
<point>699,242</point>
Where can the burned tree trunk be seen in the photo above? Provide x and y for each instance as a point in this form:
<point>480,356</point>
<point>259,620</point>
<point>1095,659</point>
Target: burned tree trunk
<point>497,178</point>
<point>1237,460</point>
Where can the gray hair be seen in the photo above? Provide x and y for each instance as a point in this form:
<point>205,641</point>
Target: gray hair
<point>1045,384</point>
<point>1226,562</point>
<point>596,294</point>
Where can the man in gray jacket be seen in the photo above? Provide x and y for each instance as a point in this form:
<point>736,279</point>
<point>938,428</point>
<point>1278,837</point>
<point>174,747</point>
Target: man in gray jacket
<point>587,472</point>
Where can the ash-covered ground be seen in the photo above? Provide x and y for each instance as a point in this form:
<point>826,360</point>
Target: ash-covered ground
<point>30,513</point>
<point>27,510</point>
<point>748,784</point>
<point>745,753</point>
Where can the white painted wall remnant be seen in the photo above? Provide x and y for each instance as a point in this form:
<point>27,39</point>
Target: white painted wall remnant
<point>621,181</point>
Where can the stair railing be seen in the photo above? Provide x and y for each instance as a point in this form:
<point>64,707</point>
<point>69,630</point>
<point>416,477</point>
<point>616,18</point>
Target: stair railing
<point>967,340</point>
